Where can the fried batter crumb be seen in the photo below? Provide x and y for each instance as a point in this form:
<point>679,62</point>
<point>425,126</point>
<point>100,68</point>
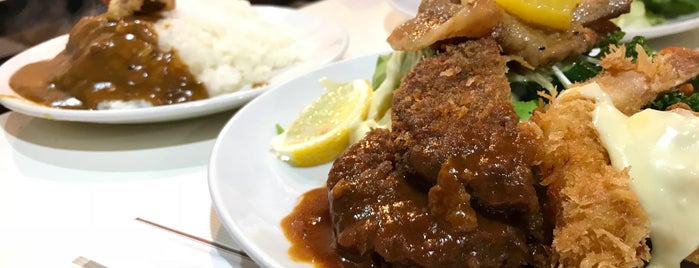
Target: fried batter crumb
<point>598,219</point>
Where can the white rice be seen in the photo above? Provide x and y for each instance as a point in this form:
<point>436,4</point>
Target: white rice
<point>226,44</point>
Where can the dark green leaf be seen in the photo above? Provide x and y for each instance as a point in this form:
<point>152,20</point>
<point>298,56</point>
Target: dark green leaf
<point>581,70</point>
<point>613,38</point>
<point>631,47</point>
<point>671,8</point>
<point>668,99</point>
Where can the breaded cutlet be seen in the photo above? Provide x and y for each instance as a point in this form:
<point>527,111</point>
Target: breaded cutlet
<point>442,89</point>
<point>473,202</point>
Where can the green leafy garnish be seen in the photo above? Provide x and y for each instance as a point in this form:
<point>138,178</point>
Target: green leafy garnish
<point>671,98</point>
<point>279,128</point>
<point>526,83</point>
<point>380,71</point>
<point>671,8</point>
<point>613,38</point>
<point>631,47</point>
<point>390,68</point>
<point>524,109</point>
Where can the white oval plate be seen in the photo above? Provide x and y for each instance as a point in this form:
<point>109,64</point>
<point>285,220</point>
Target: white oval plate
<point>324,40</point>
<point>251,189</point>
<point>672,26</point>
<point>405,7</point>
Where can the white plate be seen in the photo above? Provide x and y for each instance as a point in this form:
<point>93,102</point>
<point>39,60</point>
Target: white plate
<point>325,41</point>
<point>251,189</point>
<point>406,7</point>
<point>672,26</point>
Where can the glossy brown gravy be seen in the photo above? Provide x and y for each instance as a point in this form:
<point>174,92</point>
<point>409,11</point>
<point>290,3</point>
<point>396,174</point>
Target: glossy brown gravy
<point>109,60</point>
<point>309,229</point>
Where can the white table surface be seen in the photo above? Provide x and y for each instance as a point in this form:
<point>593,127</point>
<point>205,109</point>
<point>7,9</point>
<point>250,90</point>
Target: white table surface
<point>70,190</point>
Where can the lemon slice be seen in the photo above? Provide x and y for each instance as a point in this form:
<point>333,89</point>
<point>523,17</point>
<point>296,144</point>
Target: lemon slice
<point>555,14</point>
<point>322,130</point>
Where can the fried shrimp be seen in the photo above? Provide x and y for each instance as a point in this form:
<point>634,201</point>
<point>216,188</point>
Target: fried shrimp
<point>598,219</point>
<point>633,85</point>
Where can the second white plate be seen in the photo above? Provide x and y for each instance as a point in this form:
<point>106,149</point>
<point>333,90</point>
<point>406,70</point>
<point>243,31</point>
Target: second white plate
<point>251,189</point>
<point>325,41</point>
<point>672,26</point>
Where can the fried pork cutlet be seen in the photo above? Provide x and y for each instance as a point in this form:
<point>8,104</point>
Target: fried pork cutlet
<point>444,98</point>
<point>598,219</point>
<point>450,185</point>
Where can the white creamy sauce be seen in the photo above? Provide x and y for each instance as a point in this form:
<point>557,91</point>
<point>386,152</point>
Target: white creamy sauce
<point>661,149</point>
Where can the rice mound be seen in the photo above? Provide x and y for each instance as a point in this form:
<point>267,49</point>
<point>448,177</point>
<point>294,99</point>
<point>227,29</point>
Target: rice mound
<point>227,45</point>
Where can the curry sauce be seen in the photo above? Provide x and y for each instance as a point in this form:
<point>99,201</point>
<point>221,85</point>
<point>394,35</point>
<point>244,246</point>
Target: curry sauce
<point>109,60</point>
<point>309,229</point>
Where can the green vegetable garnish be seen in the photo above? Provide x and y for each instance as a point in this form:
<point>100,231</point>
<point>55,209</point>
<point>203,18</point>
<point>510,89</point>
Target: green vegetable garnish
<point>671,8</point>
<point>524,109</point>
<point>638,17</point>
<point>279,128</point>
<point>390,68</point>
<point>668,99</point>
<point>631,47</point>
<point>613,38</point>
<point>526,83</point>
<point>380,71</point>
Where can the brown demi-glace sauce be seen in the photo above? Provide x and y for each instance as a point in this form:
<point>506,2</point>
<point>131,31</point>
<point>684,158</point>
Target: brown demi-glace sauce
<point>309,229</point>
<point>109,60</point>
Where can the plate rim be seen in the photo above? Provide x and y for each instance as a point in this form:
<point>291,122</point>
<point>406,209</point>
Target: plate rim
<point>163,113</point>
<point>676,25</point>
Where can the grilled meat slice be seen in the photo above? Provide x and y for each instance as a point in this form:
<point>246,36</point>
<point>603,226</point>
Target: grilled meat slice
<point>591,11</point>
<point>439,20</point>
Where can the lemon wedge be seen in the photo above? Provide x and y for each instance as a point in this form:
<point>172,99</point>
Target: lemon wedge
<point>556,14</point>
<point>321,132</point>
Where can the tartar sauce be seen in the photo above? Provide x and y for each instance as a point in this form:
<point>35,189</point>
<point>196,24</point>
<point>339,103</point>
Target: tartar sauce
<point>661,150</point>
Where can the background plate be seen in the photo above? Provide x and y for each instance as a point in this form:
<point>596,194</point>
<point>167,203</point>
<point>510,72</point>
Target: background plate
<point>324,40</point>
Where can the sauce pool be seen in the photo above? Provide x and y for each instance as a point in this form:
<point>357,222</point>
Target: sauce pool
<point>309,229</point>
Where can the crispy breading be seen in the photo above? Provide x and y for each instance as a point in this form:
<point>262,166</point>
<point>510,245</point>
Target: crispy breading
<point>445,87</point>
<point>598,219</point>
